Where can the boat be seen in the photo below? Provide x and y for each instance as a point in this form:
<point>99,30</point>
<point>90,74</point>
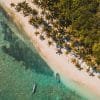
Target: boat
<point>57,77</point>
<point>34,88</point>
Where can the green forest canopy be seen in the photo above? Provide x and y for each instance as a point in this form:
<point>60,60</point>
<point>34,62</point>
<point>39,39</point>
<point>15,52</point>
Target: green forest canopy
<point>83,17</point>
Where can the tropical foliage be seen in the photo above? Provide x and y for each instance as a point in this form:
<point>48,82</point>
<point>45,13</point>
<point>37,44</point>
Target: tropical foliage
<point>72,24</point>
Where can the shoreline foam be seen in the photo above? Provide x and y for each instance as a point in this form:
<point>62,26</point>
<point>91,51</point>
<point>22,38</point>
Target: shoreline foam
<point>57,63</point>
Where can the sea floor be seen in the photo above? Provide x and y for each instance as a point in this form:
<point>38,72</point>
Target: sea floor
<point>21,67</point>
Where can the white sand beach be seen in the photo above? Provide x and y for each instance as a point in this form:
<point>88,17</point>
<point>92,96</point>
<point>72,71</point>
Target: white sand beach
<point>58,63</point>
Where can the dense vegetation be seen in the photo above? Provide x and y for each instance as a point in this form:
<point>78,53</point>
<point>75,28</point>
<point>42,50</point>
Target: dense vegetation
<point>69,21</point>
<point>80,20</point>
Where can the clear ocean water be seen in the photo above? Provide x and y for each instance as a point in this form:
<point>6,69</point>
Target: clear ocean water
<point>21,67</point>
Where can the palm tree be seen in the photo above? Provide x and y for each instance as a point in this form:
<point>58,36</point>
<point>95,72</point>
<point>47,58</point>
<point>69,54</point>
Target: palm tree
<point>59,51</point>
<point>18,8</point>
<point>48,35</point>
<point>12,5</point>
<point>50,43</point>
<point>21,6</point>
<point>47,16</point>
<point>25,13</point>
<point>91,74</point>
<point>78,66</point>
<point>33,22</point>
<point>39,20</point>
<point>73,61</point>
<point>36,33</point>
<point>35,2</point>
<point>42,37</point>
<point>44,6</point>
<point>24,4</point>
<point>34,12</point>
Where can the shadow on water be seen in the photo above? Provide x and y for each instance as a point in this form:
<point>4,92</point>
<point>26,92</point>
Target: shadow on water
<point>21,52</point>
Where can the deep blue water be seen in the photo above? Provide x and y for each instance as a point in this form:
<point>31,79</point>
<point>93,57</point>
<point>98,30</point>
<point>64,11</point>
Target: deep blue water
<point>21,67</point>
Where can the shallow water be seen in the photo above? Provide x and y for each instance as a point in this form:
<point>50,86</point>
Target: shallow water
<point>21,67</point>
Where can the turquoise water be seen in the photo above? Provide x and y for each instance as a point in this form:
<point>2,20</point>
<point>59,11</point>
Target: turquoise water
<point>21,67</point>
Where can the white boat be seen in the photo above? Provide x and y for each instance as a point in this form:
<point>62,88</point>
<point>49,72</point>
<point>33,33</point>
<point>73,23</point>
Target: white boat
<point>34,88</point>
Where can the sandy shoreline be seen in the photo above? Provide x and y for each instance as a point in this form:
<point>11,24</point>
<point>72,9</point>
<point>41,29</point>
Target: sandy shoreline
<point>59,64</point>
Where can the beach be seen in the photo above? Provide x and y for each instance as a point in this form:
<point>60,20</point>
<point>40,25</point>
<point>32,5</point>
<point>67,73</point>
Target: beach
<point>58,63</point>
